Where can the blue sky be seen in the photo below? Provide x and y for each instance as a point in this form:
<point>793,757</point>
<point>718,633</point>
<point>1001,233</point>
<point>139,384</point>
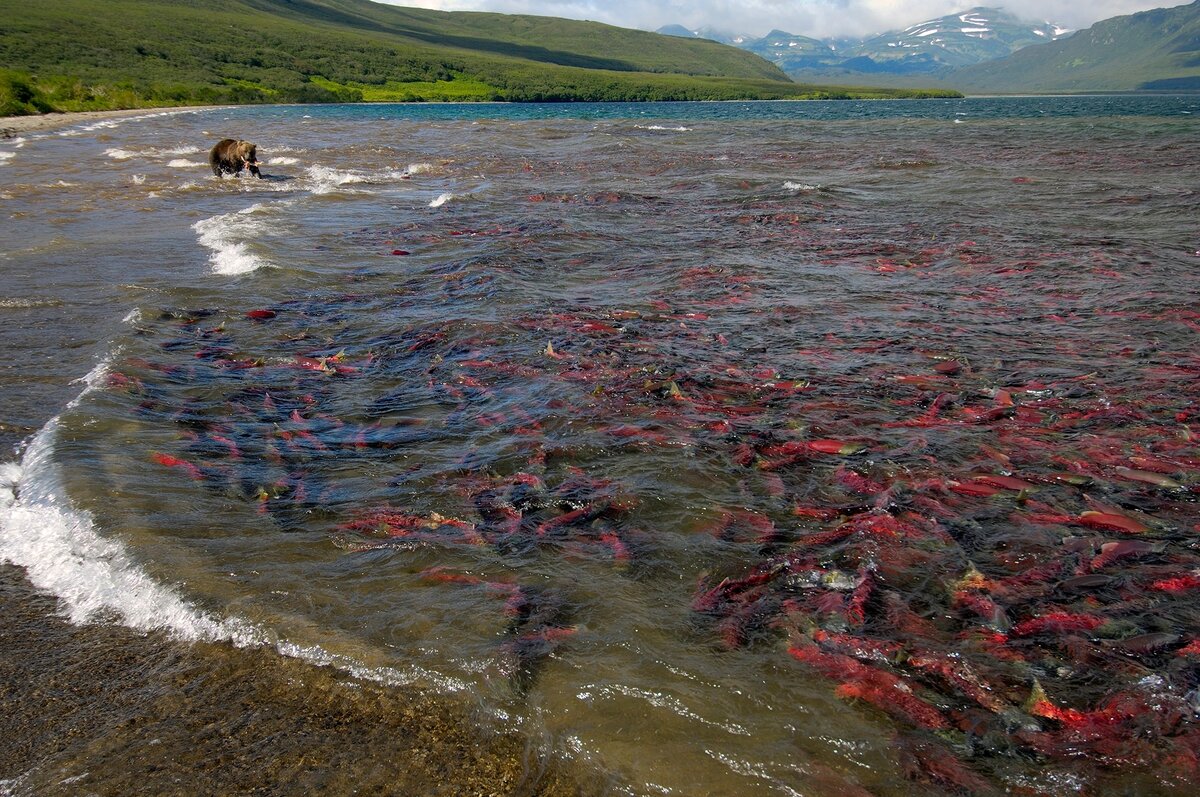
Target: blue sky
<point>807,17</point>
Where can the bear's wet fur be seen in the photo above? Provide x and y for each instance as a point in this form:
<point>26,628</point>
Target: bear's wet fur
<point>231,155</point>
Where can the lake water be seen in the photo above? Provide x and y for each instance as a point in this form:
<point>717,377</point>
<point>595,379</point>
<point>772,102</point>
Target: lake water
<point>725,448</point>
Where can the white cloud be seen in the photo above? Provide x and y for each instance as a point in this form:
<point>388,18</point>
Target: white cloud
<point>807,17</point>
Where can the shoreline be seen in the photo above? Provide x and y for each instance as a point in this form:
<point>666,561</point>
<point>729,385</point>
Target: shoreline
<point>16,125</point>
<point>100,708</point>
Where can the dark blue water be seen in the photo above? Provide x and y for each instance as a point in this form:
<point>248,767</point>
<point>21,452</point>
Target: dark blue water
<point>977,108</point>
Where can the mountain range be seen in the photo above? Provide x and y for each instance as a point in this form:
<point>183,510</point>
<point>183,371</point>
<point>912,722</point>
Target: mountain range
<point>990,50</point>
<point>1155,50</point>
<point>955,40</point>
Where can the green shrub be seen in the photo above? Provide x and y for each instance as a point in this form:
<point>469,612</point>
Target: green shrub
<point>101,54</point>
<point>19,96</point>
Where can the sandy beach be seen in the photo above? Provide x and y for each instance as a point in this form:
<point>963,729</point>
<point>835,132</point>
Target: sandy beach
<point>15,125</point>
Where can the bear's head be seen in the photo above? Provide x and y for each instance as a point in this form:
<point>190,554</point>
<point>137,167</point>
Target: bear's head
<point>247,153</point>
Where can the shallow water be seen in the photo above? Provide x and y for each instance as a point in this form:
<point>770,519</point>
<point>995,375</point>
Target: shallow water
<point>595,414</point>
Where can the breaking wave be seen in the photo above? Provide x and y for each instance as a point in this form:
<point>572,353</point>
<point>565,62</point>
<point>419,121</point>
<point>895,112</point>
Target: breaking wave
<point>116,153</point>
<point>7,303</point>
<point>228,236</point>
<point>62,553</point>
<point>326,180</point>
<point>96,579</point>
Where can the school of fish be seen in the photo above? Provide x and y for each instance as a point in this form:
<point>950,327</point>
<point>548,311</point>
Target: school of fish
<point>980,525</point>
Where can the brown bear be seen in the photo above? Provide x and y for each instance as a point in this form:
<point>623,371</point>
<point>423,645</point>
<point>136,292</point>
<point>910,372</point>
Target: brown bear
<point>230,156</point>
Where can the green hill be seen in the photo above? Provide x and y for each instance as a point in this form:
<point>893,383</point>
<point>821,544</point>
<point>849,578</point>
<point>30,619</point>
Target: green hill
<point>1157,49</point>
<point>94,54</point>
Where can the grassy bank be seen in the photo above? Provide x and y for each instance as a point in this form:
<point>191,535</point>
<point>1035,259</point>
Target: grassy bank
<point>82,55</point>
<point>22,93</point>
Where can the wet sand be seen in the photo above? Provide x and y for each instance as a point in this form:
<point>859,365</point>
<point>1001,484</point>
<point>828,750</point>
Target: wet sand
<point>102,709</point>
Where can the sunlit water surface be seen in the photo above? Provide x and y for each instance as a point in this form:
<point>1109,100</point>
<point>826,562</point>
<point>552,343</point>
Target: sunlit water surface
<point>814,448</point>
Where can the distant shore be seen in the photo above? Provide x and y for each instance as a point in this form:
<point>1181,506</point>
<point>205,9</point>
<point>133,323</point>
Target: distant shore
<point>51,121</point>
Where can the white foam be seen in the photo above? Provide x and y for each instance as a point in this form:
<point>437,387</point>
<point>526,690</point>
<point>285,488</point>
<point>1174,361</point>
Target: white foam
<point>132,317</point>
<point>315,654</point>
<point>27,304</point>
<point>184,163</point>
<point>420,168</point>
<point>116,153</point>
<point>5,157</point>
<point>138,179</point>
<point>441,200</point>
<point>282,160</point>
<point>679,129</point>
<point>61,552</point>
<point>101,125</point>
<point>96,579</point>
<point>92,380</point>
<point>751,769</point>
<point>105,124</point>
<point>673,704</point>
<point>790,186</point>
<point>228,236</point>
<point>326,180</point>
